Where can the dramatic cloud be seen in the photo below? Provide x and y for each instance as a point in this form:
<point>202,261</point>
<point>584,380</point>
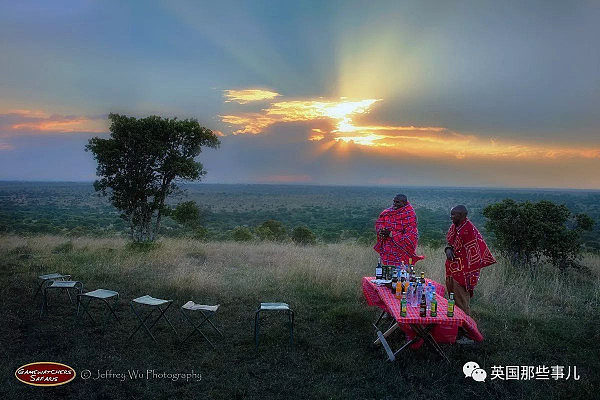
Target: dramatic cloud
<point>419,141</point>
<point>297,111</point>
<point>247,95</point>
<point>433,144</point>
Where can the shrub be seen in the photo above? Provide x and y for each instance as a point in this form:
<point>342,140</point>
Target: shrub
<point>272,230</point>
<point>241,234</point>
<point>526,232</point>
<point>303,235</point>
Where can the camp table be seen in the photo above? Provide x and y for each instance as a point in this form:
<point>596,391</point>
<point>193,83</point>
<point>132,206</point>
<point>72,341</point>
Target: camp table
<point>432,330</point>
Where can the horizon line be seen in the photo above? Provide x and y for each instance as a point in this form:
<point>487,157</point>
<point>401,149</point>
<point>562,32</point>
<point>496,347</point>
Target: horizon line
<point>385,186</point>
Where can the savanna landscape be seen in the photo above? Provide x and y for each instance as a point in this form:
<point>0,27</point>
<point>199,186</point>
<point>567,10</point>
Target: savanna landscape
<point>216,156</point>
<point>528,316</point>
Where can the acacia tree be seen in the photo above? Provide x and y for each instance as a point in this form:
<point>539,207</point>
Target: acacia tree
<point>141,162</point>
<point>525,232</point>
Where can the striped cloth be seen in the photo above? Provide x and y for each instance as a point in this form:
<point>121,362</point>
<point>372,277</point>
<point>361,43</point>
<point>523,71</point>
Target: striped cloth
<point>401,245</point>
<point>445,329</point>
<point>471,253</point>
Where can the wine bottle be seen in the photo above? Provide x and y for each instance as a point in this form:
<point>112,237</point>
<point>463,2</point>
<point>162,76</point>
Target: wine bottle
<point>423,307</point>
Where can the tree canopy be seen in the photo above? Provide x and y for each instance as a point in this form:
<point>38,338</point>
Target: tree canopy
<point>272,230</point>
<point>303,235</point>
<point>141,162</point>
<point>528,231</point>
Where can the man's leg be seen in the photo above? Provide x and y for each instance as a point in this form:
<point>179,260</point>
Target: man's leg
<point>462,297</point>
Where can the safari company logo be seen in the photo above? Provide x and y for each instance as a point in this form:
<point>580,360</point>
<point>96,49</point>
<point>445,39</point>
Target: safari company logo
<point>45,373</point>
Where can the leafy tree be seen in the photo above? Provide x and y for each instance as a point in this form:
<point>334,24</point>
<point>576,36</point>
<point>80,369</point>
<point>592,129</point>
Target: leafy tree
<point>303,235</point>
<point>187,213</point>
<point>525,232</point>
<point>272,230</point>
<point>241,234</point>
<point>140,163</point>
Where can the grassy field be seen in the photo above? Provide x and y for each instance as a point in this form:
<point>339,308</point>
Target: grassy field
<point>539,317</point>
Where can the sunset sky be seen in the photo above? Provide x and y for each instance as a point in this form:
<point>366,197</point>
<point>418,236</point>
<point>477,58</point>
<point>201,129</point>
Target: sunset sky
<point>450,93</point>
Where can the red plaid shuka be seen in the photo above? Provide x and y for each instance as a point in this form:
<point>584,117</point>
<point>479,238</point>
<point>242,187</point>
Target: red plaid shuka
<point>404,237</point>
<point>470,254</point>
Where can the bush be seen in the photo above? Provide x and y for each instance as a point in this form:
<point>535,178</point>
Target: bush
<point>272,230</point>
<point>303,235</point>
<point>187,213</point>
<point>241,234</point>
<point>525,232</point>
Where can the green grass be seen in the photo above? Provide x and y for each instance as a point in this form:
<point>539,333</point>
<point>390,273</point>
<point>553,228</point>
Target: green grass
<point>527,318</point>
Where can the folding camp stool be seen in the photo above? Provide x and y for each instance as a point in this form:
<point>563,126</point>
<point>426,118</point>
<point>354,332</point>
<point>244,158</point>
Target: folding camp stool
<point>64,285</point>
<point>156,304</point>
<point>102,295</point>
<point>50,277</point>
<point>206,311</point>
<point>274,307</point>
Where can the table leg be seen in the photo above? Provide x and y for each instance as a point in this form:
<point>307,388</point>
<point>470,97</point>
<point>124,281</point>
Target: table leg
<point>425,334</point>
<point>387,333</point>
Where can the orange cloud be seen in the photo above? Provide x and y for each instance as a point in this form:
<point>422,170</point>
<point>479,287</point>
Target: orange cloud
<point>435,143</point>
<point>296,111</point>
<point>43,122</point>
<point>253,123</point>
<point>66,126</point>
<point>420,141</point>
<point>247,95</point>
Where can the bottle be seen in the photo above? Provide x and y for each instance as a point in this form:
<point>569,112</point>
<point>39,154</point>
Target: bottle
<point>430,294</point>
<point>419,293</point>
<point>402,280</point>
<point>403,305</point>
<point>410,294</point>
<point>399,290</point>
<point>379,270</point>
<point>423,307</point>
<point>451,306</point>
<point>423,277</point>
<point>433,307</point>
<point>394,281</point>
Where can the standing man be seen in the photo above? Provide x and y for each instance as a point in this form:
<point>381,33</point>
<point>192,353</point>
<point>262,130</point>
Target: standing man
<point>397,233</point>
<point>466,254</point>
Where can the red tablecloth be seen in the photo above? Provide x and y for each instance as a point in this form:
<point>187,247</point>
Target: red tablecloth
<point>445,329</point>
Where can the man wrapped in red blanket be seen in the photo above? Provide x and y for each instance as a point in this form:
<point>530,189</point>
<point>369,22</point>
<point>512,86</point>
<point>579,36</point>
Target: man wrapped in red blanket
<point>397,233</point>
<point>466,254</point>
